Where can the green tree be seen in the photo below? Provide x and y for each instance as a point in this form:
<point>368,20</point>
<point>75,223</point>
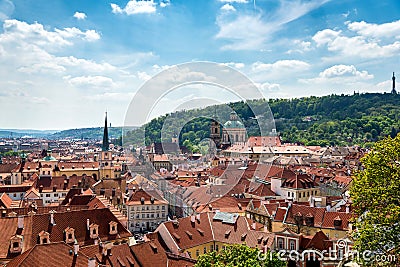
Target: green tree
<point>376,197</point>
<point>238,256</point>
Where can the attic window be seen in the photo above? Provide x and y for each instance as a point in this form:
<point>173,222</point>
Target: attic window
<point>44,237</point>
<point>337,222</point>
<point>94,230</point>
<point>153,246</point>
<point>227,233</point>
<point>69,235</point>
<point>243,236</point>
<point>16,244</point>
<point>113,228</point>
<point>176,236</point>
<point>190,235</point>
<point>200,231</point>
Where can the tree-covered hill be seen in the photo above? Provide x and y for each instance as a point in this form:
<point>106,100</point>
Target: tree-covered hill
<point>358,119</point>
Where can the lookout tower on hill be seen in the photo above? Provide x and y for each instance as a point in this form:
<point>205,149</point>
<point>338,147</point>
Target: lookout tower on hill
<point>394,85</point>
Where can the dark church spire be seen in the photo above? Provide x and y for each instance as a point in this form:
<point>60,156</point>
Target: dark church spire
<point>394,85</point>
<point>106,144</point>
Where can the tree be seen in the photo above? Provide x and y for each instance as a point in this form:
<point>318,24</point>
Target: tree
<point>238,256</point>
<point>376,199</point>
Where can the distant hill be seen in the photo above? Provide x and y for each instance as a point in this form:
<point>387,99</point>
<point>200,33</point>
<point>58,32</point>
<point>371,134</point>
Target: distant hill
<point>358,119</point>
<point>80,133</point>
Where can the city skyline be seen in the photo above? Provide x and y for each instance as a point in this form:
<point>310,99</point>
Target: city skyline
<point>63,65</point>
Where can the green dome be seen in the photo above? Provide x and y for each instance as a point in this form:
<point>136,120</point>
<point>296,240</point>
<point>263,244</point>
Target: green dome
<point>233,124</point>
<point>49,158</point>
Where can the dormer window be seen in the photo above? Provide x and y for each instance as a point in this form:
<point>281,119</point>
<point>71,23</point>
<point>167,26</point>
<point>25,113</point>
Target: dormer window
<point>16,244</point>
<point>44,237</point>
<point>69,235</point>
<point>94,230</point>
<point>113,228</point>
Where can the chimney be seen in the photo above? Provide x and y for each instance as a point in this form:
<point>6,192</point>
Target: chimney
<point>130,192</point>
<point>91,262</point>
<point>254,226</point>
<point>192,218</point>
<point>54,188</point>
<point>347,209</point>
<point>52,222</point>
<point>87,224</point>
<point>65,185</point>
<point>20,222</point>
<point>198,218</point>
<point>40,188</point>
<point>76,248</point>
<point>312,201</point>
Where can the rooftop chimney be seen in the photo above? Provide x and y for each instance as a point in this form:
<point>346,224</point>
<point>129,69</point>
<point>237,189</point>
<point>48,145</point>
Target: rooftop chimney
<point>254,226</point>
<point>88,224</point>
<point>40,188</point>
<point>52,222</point>
<point>347,209</point>
<point>76,248</point>
<point>91,262</point>
<point>20,222</point>
<point>54,188</point>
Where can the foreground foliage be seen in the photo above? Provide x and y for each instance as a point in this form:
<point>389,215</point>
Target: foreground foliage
<point>238,256</point>
<point>376,197</point>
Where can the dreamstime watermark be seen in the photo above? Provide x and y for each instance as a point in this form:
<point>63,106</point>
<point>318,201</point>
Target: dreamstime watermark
<point>341,251</point>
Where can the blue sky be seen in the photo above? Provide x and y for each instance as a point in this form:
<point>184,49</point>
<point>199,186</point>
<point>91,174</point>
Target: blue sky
<point>63,63</point>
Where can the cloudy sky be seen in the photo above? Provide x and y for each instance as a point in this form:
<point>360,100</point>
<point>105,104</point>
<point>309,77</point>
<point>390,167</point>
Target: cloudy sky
<point>63,63</point>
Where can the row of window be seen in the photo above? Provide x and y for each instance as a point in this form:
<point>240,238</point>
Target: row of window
<point>292,194</point>
<point>148,215</point>
<point>205,250</point>
<point>147,207</point>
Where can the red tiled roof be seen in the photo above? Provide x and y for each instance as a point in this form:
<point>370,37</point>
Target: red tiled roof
<point>146,196</point>
<point>61,182</point>
<point>5,201</point>
<point>50,255</point>
<point>330,217</point>
<point>304,210</point>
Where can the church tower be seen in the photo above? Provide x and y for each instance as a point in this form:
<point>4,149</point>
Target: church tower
<point>394,85</point>
<point>215,132</point>
<point>106,143</point>
<point>106,164</point>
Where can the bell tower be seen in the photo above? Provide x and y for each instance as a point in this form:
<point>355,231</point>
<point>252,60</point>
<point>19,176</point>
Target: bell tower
<point>106,163</point>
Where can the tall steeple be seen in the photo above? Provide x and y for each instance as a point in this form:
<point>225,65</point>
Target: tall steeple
<point>106,144</point>
<point>394,85</point>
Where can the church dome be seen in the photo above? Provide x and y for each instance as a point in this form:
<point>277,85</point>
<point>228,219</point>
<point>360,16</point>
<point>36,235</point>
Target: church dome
<point>233,123</point>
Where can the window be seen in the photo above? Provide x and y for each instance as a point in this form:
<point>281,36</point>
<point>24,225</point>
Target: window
<point>190,254</point>
<point>143,215</point>
<point>147,208</point>
<point>163,207</point>
<point>292,245</point>
<point>15,244</point>
<point>211,247</point>
<point>197,253</point>
<point>205,250</point>
<point>148,216</point>
<point>280,243</point>
<point>64,194</point>
<point>47,195</point>
<point>69,236</point>
<point>288,194</point>
<point>216,247</point>
<point>15,195</point>
<point>158,207</point>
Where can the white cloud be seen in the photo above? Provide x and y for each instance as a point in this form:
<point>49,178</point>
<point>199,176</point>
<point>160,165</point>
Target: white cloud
<point>35,34</point>
<point>358,46</point>
<point>228,7</point>
<point>236,65</point>
<point>340,74</point>
<point>143,75</point>
<point>92,81</point>
<point>385,30</point>
<point>301,47</point>
<point>135,7</point>
<point>165,3</point>
<point>250,31</point>
<point>280,65</point>
<point>80,15</point>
